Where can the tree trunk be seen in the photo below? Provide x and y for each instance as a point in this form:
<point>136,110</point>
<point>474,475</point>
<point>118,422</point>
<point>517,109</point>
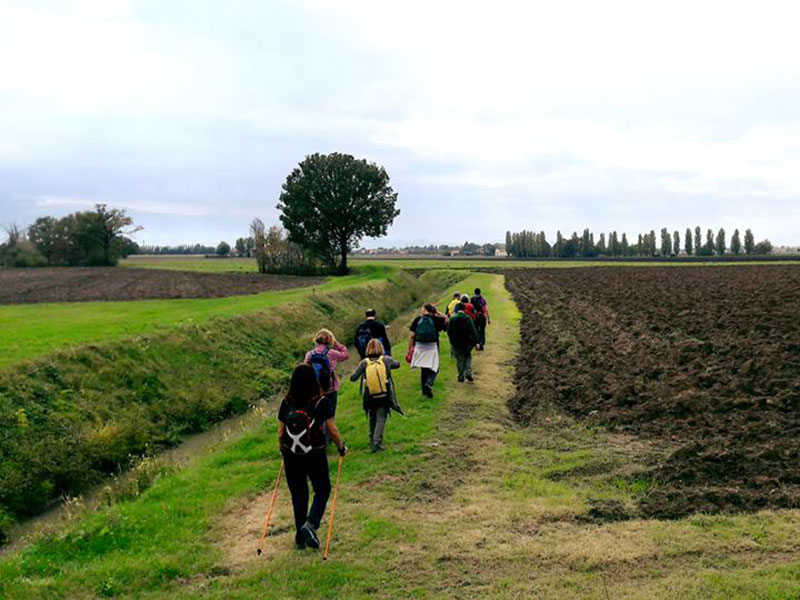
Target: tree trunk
<point>343,270</point>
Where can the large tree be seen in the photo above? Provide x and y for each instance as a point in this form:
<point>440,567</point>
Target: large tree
<point>736,243</point>
<point>103,231</point>
<point>330,201</point>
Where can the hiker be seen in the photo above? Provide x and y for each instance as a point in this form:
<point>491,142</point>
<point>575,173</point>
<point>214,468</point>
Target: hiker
<point>379,394</point>
<point>324,357</point>
<point>450,310</point>
<point>371,329</point>
<point>423,351</point>
<point>469,309</point>
<point>482,318</point>
<point>463,338</point>
<point>301,416</point>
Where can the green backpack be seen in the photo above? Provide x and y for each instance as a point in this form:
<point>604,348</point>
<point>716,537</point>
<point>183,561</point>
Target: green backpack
<point>426,330</point>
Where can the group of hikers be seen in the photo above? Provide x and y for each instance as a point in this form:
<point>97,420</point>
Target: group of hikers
<point>307,415</point>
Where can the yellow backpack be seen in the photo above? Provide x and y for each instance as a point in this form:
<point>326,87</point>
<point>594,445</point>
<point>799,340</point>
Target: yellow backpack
<point>377,378</point>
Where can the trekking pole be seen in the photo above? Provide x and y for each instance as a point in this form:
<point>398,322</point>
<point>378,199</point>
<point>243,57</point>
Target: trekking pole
<point>269,511</point>
<point>333,510</point>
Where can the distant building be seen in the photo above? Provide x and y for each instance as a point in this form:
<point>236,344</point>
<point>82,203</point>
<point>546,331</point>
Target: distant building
<point>500,253</point>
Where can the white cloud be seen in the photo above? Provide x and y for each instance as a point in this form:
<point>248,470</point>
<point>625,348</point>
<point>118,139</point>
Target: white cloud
<point>553,114</point>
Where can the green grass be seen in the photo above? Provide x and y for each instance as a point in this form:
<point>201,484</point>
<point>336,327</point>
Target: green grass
<point>463,504</point>
<point>192,263</point>
<point>248,265</point>
<point>76,416</point>
<point>32,330</point>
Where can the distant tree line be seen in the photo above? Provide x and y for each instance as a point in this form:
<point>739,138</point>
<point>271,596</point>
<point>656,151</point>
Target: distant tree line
<point>174,250</point>
<point>530,244</point>
<point>96,237</point>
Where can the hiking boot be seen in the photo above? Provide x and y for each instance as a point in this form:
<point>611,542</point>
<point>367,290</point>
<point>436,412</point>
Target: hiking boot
<point>460,379</point>
<point>299,542</point>
<point>377,448</point>
<point>427,391</point>
<point>309,534</point>
<point>470,378</point>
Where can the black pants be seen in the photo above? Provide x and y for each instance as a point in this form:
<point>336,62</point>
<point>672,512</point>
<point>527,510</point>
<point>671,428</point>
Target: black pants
<point>299,469</point>
<point>428,377</point>
<point>480,325</point>
<point>333,400</point>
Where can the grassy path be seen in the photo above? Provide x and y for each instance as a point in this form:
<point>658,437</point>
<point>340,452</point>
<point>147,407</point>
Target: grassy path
<point>463,504</point>
<point>31,330</point>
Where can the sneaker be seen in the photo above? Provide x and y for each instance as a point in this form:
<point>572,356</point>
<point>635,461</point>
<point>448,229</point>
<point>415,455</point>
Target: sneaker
<point>470,378</point>
<point>428,391</point>
<point>299,542</point>
<point>309,533</point>
<point>460,379</point>
<point>377,448</point>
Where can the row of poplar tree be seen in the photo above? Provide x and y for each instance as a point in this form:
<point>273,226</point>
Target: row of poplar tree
<point>529,244</point>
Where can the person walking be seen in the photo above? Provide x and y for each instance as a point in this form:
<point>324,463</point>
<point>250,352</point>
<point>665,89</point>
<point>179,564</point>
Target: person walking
<point>372,329</point>
<point>324,357</point>
<point>450,310</point>
<point>482,318</point>
<point>424,345</point>
<point>301,416</point>
<point>463,338</point>
<point>378,390</point>
<point>468,308</point>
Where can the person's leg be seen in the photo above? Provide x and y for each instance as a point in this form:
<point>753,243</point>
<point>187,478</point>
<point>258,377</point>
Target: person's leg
<point>460,364</point>
<point>298,488</point>
<point>480,325</point>
<point>431,377</point>
<point>333,400</point>
<point>321,482</point>
<point>381,415</point>
<point>423,377</point>
<point>372,420</point>
<point>468,365</point>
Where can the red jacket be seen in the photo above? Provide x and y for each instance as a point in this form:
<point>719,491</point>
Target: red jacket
<point>470,310</point>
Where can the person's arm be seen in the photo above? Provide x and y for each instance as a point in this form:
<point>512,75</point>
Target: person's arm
<point>391,362</point>
<point>359,372</point>
<point>486,311</point>
<point>387,344</point>
<point>281,431</point>
<point>339,352</point>
<point>334,433</point>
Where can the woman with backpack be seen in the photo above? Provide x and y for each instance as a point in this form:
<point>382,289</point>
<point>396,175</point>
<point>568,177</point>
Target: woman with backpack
<point>424,345</point>
<point>301,416</point>
<point>379,398</point>
<point>324,357</point>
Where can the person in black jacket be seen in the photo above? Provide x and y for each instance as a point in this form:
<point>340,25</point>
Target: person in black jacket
<point>302,444</point>
<point>372,329</point>
<point>463,338</point>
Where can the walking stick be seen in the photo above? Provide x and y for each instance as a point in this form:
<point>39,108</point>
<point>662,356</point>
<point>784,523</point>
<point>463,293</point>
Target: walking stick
<point>269,511</point>
<point>333,510</point>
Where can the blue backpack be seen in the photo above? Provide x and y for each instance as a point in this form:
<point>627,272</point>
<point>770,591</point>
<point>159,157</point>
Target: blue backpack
<point>322,368</point>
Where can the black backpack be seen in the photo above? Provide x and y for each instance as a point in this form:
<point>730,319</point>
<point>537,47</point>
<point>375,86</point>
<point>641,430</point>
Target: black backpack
<point>363,337</point>
<point>426,330</point>
<point>479,304</point>
<point>299,426</point>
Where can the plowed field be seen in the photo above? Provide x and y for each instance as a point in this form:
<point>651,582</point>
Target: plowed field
<point>704,361</point>
<point>83,284</point>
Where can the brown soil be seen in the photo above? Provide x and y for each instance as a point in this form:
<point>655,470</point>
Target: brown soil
<point>706,360</point>
<point>83,284</point>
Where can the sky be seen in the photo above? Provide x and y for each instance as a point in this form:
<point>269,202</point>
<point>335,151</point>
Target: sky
<point>488,116</point>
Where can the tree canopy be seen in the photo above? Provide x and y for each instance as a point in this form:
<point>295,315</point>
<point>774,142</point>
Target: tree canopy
<point>330,201</point>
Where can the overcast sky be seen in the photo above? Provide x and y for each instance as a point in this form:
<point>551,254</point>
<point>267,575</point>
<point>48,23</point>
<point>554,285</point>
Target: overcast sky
<point>488,116</point>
